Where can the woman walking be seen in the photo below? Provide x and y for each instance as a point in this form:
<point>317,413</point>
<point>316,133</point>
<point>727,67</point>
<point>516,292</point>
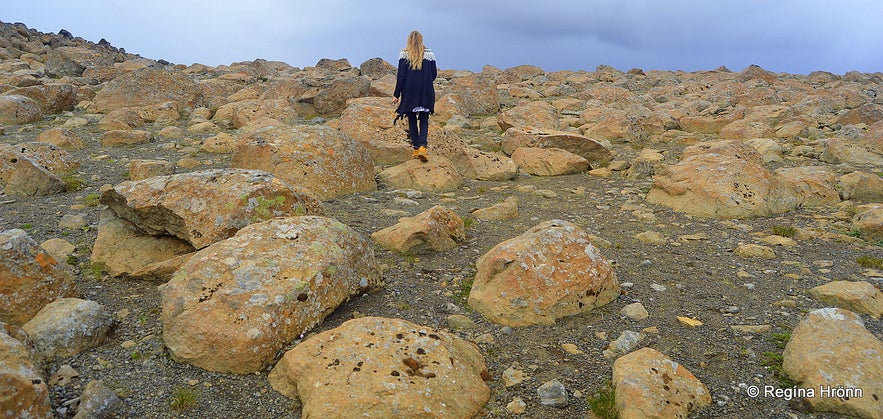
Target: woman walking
<point>416,73</point>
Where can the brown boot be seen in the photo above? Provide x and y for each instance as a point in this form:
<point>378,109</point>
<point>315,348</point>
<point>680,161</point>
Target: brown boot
<point>420,153</point>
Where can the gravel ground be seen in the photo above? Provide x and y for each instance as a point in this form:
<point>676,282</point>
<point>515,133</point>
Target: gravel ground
<point>685,277</point>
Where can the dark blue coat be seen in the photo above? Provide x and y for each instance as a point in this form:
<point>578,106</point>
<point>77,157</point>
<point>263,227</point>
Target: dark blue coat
<point>414,87</point>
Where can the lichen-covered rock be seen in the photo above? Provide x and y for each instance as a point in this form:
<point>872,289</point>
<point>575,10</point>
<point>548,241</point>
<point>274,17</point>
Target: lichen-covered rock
<point>31,278</point>
<point>436,175</point>
<point>723,179</point>
<point>319,159</point>
<point>68,326</point>
<point>650,385</point>
<point>550,271</point>
<point>148,86</point>
<point>437,228</point>
<point>19,110</point>
<point>208,206</point>
<point>593,151</point>
<point>236,303</point>
<point>548,161</point>
<point>52,98</point>
<point>831,348</point>
<point>25,393</point>
<point>123,249</point>
<point>384,368</point>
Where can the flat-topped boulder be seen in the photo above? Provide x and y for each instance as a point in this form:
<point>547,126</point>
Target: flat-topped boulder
<point>207,206</point>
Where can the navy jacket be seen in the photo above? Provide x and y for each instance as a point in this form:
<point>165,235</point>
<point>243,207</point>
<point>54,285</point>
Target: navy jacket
<point>414,87</point>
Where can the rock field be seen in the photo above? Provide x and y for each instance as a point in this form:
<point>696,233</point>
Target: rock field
<point>254,239</point>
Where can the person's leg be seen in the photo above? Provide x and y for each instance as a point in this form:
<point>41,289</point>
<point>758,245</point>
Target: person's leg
<point>413,133</point>
<point>424,129</point>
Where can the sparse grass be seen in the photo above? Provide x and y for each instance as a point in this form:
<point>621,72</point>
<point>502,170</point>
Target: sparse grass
<point>27,226</point>
<point>73,260</point>
<point>603,402</point>
<point>854,233</point>
<point>184,398</point>
<point>135,355</point>
<point>465,286</point>
<point>92,200</point>
<point>784,231</point>
<point>773,360</point>
<point>468,222</point>
<point>402,306</point>
<point>97,270</point>
<point>867,261</point>
<point>72,182</point>
<point>411,257</point>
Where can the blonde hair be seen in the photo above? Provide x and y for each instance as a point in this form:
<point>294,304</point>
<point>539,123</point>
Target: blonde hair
<point>414,50</point>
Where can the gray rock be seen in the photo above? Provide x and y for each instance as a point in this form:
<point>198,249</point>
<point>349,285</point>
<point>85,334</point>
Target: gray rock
<point>553,393</point>
<point>68,326</point>
<point>97,401</point>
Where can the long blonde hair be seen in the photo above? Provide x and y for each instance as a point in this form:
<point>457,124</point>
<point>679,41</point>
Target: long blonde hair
<point>414,50</point>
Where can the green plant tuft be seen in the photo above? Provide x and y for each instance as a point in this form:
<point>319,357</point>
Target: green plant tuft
<point>92,200</point>
<point>603,402</point>
<point>868,261</point>
<point>72,182</point>
<point>184,398</point>
<point>773,360</point>
<point>468,222</point>
<point>784,231</point>
<point>98,270</point>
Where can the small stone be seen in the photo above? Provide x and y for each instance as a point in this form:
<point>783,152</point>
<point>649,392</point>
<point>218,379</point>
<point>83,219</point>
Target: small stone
<point>687,321</point>
<point>625,343</point>
<point>517,406</point>
<point>571,349</point>
<point>128,344</point>
<point>97,401</point>
<point>553,393</point>
<point>657,287</point>
<point>749,328</point>
<point>651,237</point>
<point>635,311</point>
<point>63,376</point>
<point>460,322</point>
<point>72,221</point>
<point>513,376</point>
<point>754,251</point>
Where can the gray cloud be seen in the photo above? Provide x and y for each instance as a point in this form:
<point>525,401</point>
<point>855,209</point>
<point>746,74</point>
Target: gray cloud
<point>790,35</point>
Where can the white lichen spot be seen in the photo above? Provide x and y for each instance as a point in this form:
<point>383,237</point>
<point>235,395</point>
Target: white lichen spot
<point>255,333</point>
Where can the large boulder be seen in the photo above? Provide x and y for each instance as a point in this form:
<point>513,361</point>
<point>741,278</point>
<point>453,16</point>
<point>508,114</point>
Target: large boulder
<point>236,303</point>
<point>31,278</point>
<point>68,326</point>
<point>723,179</point>
<point>25,393</point>
<point>472,96</point>
<point>650,385</point>
<point>52,98</point>
<point>436,175</point>
<point>533,115</point>
<point>208,206</point>
<point>331,100</point>
<point>830,350</point>
<point>550,271</point>
<point>844,150</point>
<point>437,228</point>
<point>384,368</point>
<point>371,122</point>
<point>861,186</point>
<point>19,110</point>
<point>593,151</point>
<point>124,249</point>
<point>548,161</point>
<point>148,86</point>
<point>22,174</point>
<point>316,158</point>
<point>73,61</point>
<point>817,185</point>
<point>856,296</point>
<point>868,221</point>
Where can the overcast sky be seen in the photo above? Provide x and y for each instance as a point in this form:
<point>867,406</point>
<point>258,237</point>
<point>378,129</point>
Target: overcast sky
<point>793,36</point>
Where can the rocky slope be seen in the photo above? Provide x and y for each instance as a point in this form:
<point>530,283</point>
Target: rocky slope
<point>720,199</point>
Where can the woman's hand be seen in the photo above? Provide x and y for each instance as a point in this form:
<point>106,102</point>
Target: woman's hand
<point>395,100</point>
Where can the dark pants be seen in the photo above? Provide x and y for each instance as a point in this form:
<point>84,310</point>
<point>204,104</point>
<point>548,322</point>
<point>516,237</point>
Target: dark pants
<point>418,136</point>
